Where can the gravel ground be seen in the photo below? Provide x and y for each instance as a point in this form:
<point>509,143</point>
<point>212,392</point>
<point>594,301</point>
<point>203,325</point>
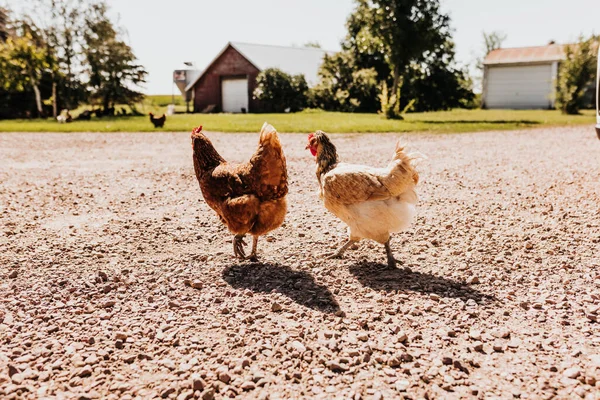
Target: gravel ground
<point>117,281</point>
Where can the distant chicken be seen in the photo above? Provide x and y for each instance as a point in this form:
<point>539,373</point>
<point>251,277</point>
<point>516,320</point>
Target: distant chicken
<point>250,198</point>
<point>158,122</point>
<point>373,202</point>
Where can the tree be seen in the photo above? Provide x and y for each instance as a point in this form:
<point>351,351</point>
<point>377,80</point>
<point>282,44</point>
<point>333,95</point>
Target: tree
<point>403,31</point>
<point>344,86</point>
<point>114,72</point>
<point>280,91</point>
<point>25,60</point>
<point>3,24</point>
<point>63,30</point>
<point>437,83</point>
<point>576,73</point>
<point>491,41</point>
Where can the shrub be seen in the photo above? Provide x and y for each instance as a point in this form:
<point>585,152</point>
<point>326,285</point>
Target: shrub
<point>281,92</point>
<point>344,87</point>
<point>576,74</point>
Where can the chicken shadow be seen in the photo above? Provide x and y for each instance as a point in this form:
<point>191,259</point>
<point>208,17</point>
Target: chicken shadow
<point>299,286</point>
<point>379,277</point>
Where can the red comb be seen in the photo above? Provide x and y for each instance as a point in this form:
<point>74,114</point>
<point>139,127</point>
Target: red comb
<point>311,135</point>
<point>198,129</point>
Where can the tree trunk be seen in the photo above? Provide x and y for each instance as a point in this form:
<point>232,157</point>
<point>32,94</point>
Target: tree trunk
<point>396,80</point>
<point>54,101</point>
<point>38,99</point>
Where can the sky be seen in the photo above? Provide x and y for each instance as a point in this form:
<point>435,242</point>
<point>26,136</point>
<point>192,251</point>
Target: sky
<point>164,34</point>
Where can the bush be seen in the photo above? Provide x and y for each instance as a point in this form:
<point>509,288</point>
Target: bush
<point>343,87</point>
<point>576,75</point>
<point>281,92</point>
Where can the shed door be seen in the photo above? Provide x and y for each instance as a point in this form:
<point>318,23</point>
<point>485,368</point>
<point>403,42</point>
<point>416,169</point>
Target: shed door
<point>234,94</point>
<point>527,86</point>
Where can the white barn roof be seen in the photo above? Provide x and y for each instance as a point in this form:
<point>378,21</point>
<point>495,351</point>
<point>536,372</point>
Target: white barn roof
<point>292,60</point>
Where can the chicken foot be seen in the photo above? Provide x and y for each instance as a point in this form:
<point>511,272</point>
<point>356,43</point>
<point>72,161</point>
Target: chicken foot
<point>340,252</point>
<point>240,252</point>
<point>390,256</point>
<point>238,246</point>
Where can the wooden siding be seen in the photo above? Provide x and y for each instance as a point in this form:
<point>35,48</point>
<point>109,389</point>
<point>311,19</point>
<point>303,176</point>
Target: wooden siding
<point>231,64</point>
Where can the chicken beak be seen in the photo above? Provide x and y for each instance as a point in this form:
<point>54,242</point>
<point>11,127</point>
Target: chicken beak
<point>307,147</point>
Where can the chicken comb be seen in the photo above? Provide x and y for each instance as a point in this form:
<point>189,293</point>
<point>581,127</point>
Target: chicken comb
<point>311,135</point>
<point>198,129</point>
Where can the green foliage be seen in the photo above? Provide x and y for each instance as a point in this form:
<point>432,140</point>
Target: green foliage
<point>114,74</point>
<point>65,53</point>
<point>24,61</point>
<point>409,46</point>
<point>576,74</point>
<point>344,87</point>
<point>280,91</point>
<point>454,121</point>
<point>437,83</point>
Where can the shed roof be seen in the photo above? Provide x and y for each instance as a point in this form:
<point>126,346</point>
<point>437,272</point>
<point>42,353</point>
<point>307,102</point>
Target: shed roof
<point>292,60</point>
<point>525,55</point>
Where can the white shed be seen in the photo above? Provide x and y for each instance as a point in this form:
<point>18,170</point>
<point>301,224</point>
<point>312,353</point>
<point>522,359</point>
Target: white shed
<point>521,78</point>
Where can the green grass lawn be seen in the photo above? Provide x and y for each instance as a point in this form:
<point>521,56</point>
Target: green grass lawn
<point>440,122</point>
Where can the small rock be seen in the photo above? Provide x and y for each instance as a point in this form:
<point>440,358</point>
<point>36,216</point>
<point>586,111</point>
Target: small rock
<point>299,347</point>
<point>121,335</point>
<point>394,362</point>
<point>501,333</point>
<point>12,370</point>
<point>336,367</point>
<point>17,378</point>
<point>197,284</point>
<point>475,335</point>
<point>166,393</point>
<point>225,377</point>
<point>572,373</point>
<point>276,307</point>
<point>85,371</point>
<point>248,385</point>
<point>225,310</point>
<point>402,337</point>
<point>473,280</point>
<point>197,382</point>
<point>174,304</point>
<point>478,346</point>
<point>52,329</point>
<point>109,304</point>
<point>119,344</point>
<point>447,360</point>
<point>208,394</point>
<point>13,274</point>
<point>402,385</point>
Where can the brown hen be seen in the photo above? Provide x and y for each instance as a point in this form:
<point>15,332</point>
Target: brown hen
<point>250,198</point>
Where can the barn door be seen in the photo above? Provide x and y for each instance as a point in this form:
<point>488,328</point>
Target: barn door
<point>234,95</point>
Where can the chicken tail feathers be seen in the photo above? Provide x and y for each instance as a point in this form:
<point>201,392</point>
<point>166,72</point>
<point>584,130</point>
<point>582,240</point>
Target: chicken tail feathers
<point>268,133</point>
<point>269,164</point>
<point>406,162</point>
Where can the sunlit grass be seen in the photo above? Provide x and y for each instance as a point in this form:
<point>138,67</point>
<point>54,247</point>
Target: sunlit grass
<point>310,120</point>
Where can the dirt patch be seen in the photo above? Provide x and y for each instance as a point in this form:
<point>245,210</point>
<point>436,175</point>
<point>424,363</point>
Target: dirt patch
<point>118,281</point>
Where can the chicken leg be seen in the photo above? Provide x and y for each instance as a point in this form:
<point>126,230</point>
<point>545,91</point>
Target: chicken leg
<point>252,256</point>
<point>390,256</point>
<point>238,246</point>
<point>340,252</point>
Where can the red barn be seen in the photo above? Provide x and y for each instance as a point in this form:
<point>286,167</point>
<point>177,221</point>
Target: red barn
<point>228,82</point>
